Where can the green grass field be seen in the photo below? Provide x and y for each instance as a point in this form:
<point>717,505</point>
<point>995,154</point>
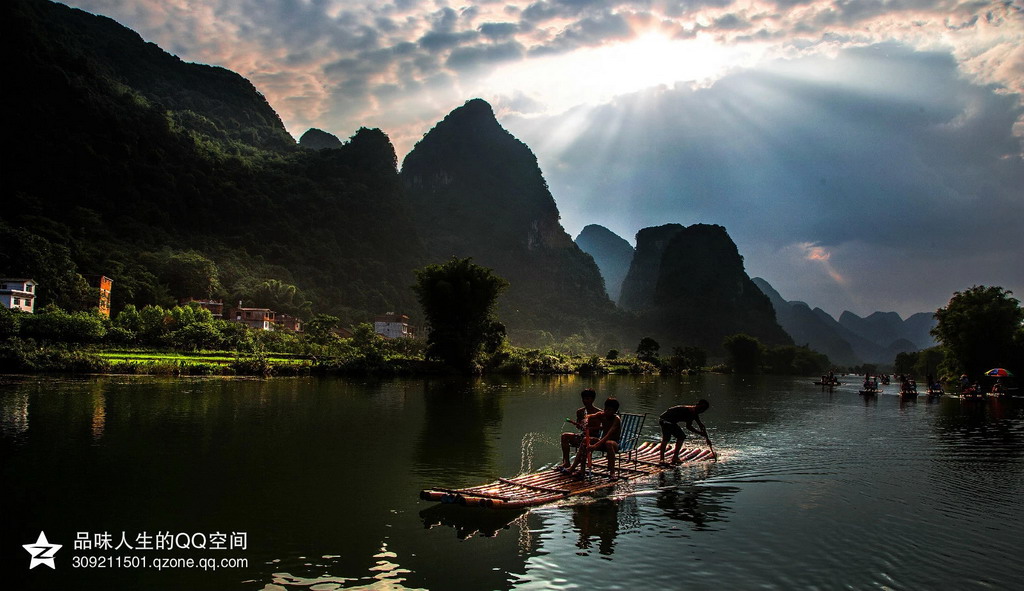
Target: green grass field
<point>220,357</point>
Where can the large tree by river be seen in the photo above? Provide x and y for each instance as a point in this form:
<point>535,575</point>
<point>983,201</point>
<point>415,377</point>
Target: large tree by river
<point>458,300</point>
<point>981,328</point>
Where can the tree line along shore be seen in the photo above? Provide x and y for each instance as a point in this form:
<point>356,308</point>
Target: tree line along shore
<point>981,327</point>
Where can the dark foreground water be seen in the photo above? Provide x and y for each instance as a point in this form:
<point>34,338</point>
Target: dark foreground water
<point>312,484</point>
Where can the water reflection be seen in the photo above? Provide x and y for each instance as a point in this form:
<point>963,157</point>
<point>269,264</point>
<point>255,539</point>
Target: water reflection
<point>988,420</point>
<point>459,427</point>
<point>469,521</point>
<point>13,413</point>
<point>99,410</point>
<point>387,576</point>
<point>598,522</point>
<point>699,505</point>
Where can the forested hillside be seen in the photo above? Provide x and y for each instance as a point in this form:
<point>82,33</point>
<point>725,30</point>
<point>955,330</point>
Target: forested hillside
<point>178,180</point>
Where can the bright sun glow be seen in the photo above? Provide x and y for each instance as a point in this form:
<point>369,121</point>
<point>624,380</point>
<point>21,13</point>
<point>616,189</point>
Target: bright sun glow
<point>597,75</point>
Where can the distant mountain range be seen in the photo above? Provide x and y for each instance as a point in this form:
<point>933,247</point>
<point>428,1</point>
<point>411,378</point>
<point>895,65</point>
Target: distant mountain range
<point>684,285</point>
<point>179,180</point>
<point>851,340</point>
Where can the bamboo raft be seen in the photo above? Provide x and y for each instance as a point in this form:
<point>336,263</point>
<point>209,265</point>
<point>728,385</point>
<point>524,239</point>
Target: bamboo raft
<point>552,485</point>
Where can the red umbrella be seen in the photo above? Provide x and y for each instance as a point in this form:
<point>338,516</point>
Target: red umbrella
<point>998,373</point>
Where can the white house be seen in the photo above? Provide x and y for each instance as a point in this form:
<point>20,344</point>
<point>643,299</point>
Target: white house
<point>393,326</point>
<point>18,294</point>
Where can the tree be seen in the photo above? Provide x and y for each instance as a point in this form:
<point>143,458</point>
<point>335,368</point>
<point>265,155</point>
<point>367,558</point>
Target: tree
<point>744,352</point>
<point>689,357</point>
<point>905,362</point>
<point>458,300</point>
<point>281,297</point>
<point>154,322</point>
<point>197,335</point>
<point>793,360</point>
<point>189,274</point>
<point>980,329</point>
<point>9,322</point>
<point>647,350</point>
<point>320,326</point>
<point>129,318</point>
<point>929,361</point>
<point>25,254</point>
<point>54,325</point>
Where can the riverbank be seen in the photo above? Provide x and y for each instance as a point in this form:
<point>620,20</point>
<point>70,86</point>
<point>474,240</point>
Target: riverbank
<point>17,356</point>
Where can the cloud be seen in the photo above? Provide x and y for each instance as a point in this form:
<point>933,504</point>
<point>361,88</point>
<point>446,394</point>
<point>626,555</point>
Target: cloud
<point>300,40</point>
<point>498,30</point>
<point>816,253</point>
<point>465,58</point>
<point>437,41</point>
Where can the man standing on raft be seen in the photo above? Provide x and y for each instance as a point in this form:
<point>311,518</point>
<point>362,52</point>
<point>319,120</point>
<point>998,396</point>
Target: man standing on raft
<point>669,422</point>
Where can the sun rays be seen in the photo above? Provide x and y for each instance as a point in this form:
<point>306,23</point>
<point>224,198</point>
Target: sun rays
<point>597,75</point>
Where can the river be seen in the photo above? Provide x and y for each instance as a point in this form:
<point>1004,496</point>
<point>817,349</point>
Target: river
<point>312,484</point>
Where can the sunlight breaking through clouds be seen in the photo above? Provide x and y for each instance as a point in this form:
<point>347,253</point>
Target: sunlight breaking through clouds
<point>370,57</point>
<point>597,75</point>
<point>823,257</point>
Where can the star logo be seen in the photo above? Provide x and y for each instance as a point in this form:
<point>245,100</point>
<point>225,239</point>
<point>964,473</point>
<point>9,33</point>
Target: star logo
<point>42,552</point>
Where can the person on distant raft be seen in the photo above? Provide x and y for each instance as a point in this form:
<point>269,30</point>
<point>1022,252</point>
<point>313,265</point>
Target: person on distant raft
<point>573,439</point>
<point>608,423</point>
<point>669,422</point>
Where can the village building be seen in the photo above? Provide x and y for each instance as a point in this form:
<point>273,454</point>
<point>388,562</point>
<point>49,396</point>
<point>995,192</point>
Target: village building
<point>18,293</point>
<point>258,318</point>
<point>216,307</point>
<point>393,326</point>
<point>288,322</point>
<point>104,284</point>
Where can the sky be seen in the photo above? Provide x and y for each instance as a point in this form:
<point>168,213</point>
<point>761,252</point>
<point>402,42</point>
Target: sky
<point>865,155</point>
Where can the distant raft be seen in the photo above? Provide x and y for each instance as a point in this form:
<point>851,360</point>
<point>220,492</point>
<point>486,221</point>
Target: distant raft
<point>551,485</point>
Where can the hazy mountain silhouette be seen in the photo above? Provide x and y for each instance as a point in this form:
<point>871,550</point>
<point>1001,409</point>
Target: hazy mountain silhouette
<point>851,340</point>
<point>612,253</point>
<point>807,327</point>
<point>641,282</point>
<point>688,287</point>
